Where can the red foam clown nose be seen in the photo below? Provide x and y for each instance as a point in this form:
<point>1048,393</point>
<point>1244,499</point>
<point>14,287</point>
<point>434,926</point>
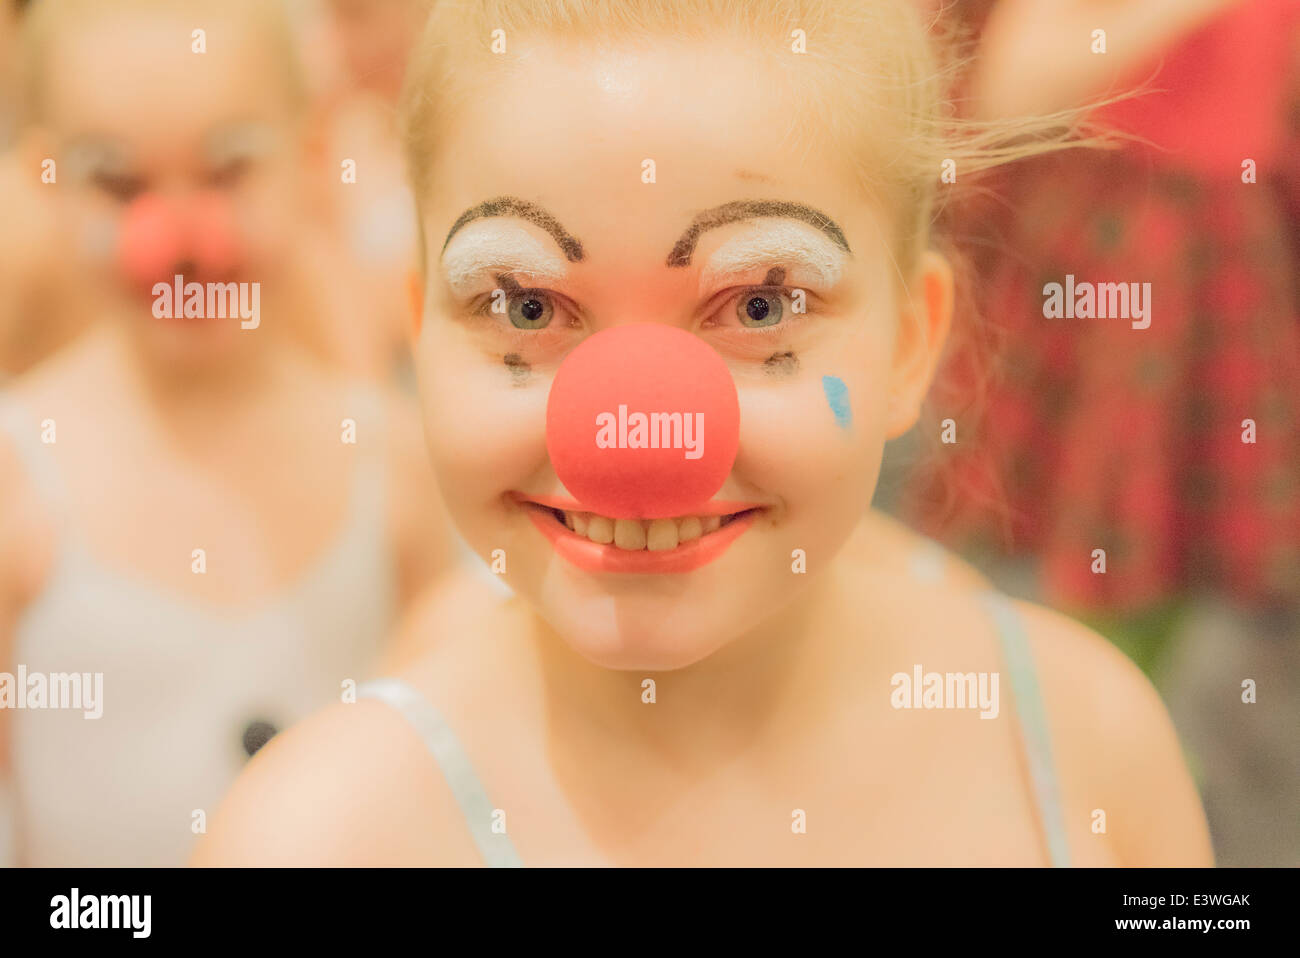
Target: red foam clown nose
<point>214,234</point>
<point>158,235</point>
<point>152,240</point>
<point>643,422</point>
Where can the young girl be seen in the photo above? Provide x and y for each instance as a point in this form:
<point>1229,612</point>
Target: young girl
<point>212,530</point>
<point>732,685</point>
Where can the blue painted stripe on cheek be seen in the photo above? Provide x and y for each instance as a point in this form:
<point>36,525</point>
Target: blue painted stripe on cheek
<point>837,395</point>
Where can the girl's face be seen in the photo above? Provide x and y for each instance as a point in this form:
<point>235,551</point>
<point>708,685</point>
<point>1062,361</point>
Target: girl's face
<point>574,134</point>
<point>172,161</point>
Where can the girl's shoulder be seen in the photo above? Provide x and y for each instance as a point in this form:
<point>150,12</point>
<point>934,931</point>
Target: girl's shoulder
<point>1122,774</point>
<point>355,783</point>
<point>1118,766</point>
<point>351,785</point>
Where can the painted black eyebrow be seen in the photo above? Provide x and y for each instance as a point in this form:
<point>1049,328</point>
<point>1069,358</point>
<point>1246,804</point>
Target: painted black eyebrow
<point>513,206</point>
<point>684,248</point>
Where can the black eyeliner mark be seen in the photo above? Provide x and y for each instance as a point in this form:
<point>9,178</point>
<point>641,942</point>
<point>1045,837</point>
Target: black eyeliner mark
<point>775,276</point>
<point>513,206</point>
<point>519,370</point>
<point>786,363</point>
<point>507,282</point>
<point>684,248</point>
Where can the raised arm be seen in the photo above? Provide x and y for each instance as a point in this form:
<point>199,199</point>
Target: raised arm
<point>1035,56</point>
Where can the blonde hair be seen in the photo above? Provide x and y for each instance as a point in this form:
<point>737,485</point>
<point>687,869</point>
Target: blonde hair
<point>869,65</point>
<point>47,18</point>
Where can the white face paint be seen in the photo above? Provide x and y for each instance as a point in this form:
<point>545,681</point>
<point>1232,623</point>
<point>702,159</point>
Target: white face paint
<point>86,157</point>
<point>794,245</point>
<point>245,142</point>
<point>491,246</point>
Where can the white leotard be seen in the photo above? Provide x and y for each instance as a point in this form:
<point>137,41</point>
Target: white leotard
<point>183,679</point>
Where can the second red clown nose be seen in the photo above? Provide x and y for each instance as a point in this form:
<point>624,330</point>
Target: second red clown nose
<point>643,422</point>
<point>162,235</point>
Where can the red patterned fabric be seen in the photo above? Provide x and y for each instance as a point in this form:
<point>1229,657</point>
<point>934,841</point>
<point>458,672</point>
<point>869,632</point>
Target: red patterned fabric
<point>1217,91</point>
<point>1100,436</point>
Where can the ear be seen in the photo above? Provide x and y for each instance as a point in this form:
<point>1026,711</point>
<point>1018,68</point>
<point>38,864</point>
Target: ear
<point>415,291</point>
<point>923,323</point>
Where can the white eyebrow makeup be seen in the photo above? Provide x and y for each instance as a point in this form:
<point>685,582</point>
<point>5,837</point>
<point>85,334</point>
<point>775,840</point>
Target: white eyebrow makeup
<point>775,243</point>
<point>87,156</point>
<point>240,141</point>
<point>494,246</point>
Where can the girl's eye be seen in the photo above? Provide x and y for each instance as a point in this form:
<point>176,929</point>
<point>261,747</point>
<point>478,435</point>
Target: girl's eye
<point>120,186</point>
<point>526,309</point>
<point>760,307</point>
<point>230,172</point>
<point>529,309</point>
<point>756,307</point>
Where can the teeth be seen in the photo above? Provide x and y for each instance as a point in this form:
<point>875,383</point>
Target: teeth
<point>629,534</point>
<point>600,529</point>
<point>657,535</point>
<point>662,535</point>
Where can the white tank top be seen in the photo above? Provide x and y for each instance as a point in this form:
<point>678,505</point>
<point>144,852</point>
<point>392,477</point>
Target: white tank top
<point>189,690</point>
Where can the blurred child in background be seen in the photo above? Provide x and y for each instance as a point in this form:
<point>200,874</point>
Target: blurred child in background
<point>192,505</point>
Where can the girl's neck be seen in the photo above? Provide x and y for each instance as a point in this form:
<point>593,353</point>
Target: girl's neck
<point>766,679</point>
<point>223,386</point>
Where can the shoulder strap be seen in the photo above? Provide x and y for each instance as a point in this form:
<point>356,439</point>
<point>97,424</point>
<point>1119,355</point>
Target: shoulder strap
<point>1028,706</point>
<point>441,741</point>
